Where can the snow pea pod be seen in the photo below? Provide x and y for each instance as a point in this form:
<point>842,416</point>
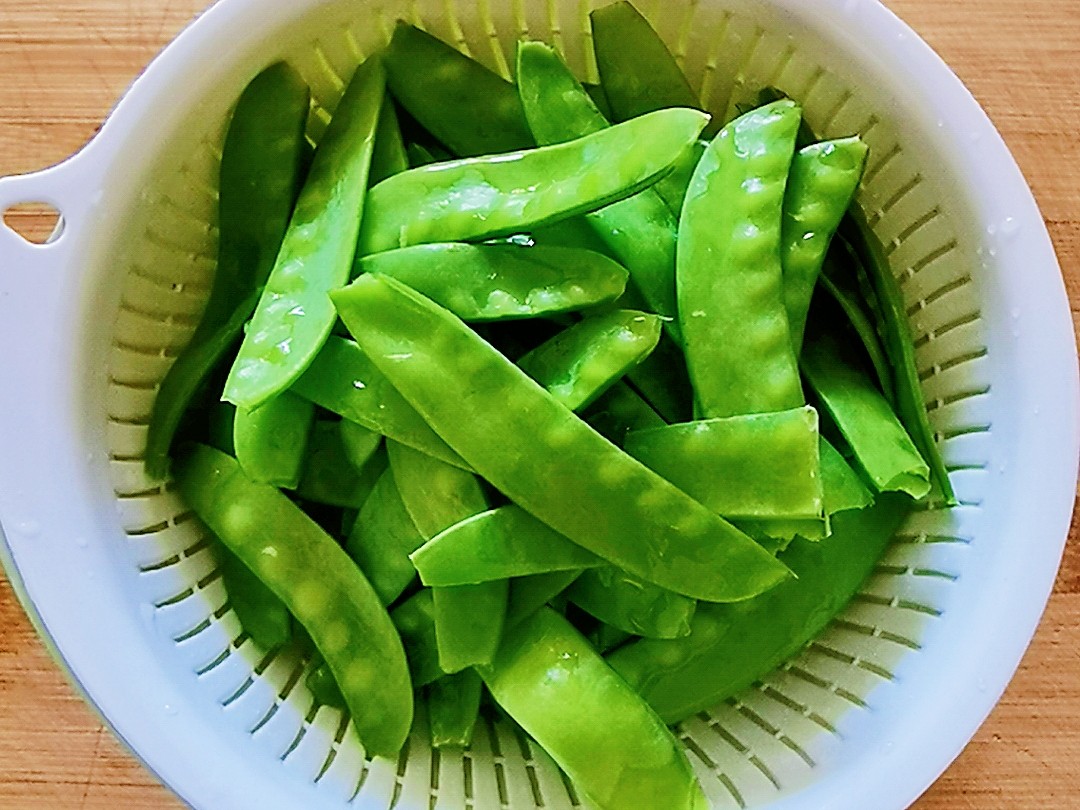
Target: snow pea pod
<point>842,487</point>
<point>731,646</point>
<point>271,441</point>
<point>484,197</point>
<point>633,606</point>
<point>324,689</point>
<point>414,620</point>
<point>294,315</point>
<point>607,740</point>
<point>453,709</point>
<point>529,594</point>
<point>502,282</point>
<point>535,450</point>
<point>730,282</point>
<point>310,573</point>
<point>358,443</point>
<point>620,411</point>
<point>329,475</point>
<point>820,187</point>
<point>388,156</point>
<point>261,169</point>
<point>261,613</point>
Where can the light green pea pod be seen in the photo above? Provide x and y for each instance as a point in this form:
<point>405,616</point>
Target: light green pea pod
<point>261,613</point>
<point>529,594</point>
<point>329,476</point>
<point>324,689</point>
<point>633,606</point>
<point>453,709</point>
<point>844,491</point>
<point>271,442</point>
<point>673,188</point>
<point>502,282</point>
<point>414,620</point>
<point>388,156</point>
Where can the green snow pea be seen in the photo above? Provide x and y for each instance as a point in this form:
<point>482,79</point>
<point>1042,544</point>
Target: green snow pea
<point>731,646</point>
<point>294,315</point>
<point>262,614</point>
<point>673,187</point>
<point>820,188</point>
<point>751,466</point>
<point>535,450</point>
<point>453,709</point>
<point>321,587</point>
<point>469,621</point>
<point>271,441</point>
<point>502,282</point>
<point>388,156</point>
<point>606,638</point>
<point>329,475</point>
<point>529,594</point>
<point>663,381</point>
<point>261,169</point>
<point>358,443</point>
<point>324,689</point>
<point>220,427</point>
<point>841,484</point>
<point>484,197</point>
<point>620,411</point>
<point>436,495</point>
<point>414,620</point>
<point>881,446</point>
<point>633,606</point>
<point>730,282</point>
<point>607,740</point>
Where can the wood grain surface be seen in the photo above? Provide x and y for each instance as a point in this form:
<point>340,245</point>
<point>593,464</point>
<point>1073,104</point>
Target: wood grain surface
<point>65,62</point>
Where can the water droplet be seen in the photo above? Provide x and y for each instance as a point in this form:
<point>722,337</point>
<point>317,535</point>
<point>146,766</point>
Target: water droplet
<point>1010,227</point>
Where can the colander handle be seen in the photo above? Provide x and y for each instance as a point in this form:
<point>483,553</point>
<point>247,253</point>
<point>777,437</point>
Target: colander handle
<point>63,188</point>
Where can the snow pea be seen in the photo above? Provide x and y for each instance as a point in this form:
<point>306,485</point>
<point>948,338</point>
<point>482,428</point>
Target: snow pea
<point>294,316</point>
<point>730,646</point>
<point>261,169</point>
<point>606,638</point>
<point>730,281</point>
<point>842,487</point>
<point>261,613</point>
<point>358,443</point>
<point>453,709</point>
<point>329,475</point>
<point>484,197</point>
<point>271,441</point>
<point>620,411</point>
<point>607,740</point>
<point>631,605</point>
<point>324,689</point>
<point>502,282</point>
<point>414,620</point>
<point>535,450</point>
<point>529,594</point>
<point>220,428</point>
<point>321,587</point>
<point>751,466</point>
<point>388,156</point>
<point>820,188</point>
<point>436,495</point>
<point>881,446</point>
<point>663,381</point>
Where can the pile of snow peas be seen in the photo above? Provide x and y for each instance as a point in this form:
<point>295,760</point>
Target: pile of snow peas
<point>524,395</point>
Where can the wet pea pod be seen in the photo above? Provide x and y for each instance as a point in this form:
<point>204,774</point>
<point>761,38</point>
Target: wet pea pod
<point>294,315</point>
<point>631,605</point>
<point>261,171</point>
<point>731,646</point>
<point>618,753</point>
<point>318,583</point>
<point>730,282</point>
<point>502,282</point>
<point>535,450</point>
<point>271,441</point>
<point>499,195</point>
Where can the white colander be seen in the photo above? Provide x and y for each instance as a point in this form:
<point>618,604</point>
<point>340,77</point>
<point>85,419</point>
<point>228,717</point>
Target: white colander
<point>121,580</point>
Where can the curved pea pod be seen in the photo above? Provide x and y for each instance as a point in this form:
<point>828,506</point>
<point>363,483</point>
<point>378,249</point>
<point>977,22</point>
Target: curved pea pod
<point>319,584</point>
<point>730,284</point>
<point>535,450</point>
<point>453,709</point>
<point>820,188</point>
<point>498,195</point>
<point>261,169</point>
<point>261,613</point>
<point>329,475</point>
<point>529,594</point>
<point>607,740</point>
<point>344,381</point>
<point>633,606</point>
<point>578,365</point>
<point>271,442</point>
<point>324,689</point>
<point>497,544</point>
<point>294,315</point>
<point>881,446</point>
<point>388,155</point>
<point>756,465</point>
<point>731,646</point>
<point>843,488</point>
<point>502,282</point>
<point>414,620</point>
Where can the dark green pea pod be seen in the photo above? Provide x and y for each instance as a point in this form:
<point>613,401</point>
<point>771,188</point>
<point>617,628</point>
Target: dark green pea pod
<point>497,544</point>
<point>529,594</point>
<point>502,282</point>
<point>358,443</point>
<point>637,607</point>
<point>606,638</point>
<point>609,742</point>
<point>754,466</point>
<point>294,316</point>
<point>220,429</point>
<point>498,195</point>
<point>469,622</point>
<point>382,539</point>
<point>453,709</point>
<point>535,450</point>
<point>673,188</point>
<point>271,442</point>
<point>843,488</point>
<point>261,170</point>
<point>620,411</point>
<point>735,328</point>
<point>261,612</point>
<point>318,583</point>
<point>663,381</point>
<point>388,156</point>
<point>324,689</point>
<point>329,476</point>
<point>414,620</point>
<point>731,646</point>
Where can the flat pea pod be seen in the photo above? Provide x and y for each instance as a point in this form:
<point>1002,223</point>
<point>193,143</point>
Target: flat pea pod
<point>497,544</point>
<point>261,169</point>
<point>608,741</point>
<point>271,442</point>
<point>751,466</point>
<point>388,156</point>
<point>529,594</point>
<point>414,620</point>
<point>730,283</point>
<point>841,484</point>
<point>321,587</point>
<point>502,282</point>
<point>731,646</point>
<point>330,477</point>
<point>498,195</point>
<point>535,450</point>
<point>262,614</point>
<point>625,602</point>
<point>820,188</point>
<point>881,446</point>
<point>453,709</point>
<point>294,315</point>
<point>436,495</point>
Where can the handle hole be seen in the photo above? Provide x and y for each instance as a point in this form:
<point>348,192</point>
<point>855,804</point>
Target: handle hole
<point>37,222</point>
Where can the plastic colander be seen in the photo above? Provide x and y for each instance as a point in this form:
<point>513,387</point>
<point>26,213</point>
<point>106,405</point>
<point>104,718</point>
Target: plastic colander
<point>123,584</point>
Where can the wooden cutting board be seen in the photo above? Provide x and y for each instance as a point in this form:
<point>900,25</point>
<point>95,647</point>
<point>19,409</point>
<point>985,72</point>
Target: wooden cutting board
<point>65,62</point>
